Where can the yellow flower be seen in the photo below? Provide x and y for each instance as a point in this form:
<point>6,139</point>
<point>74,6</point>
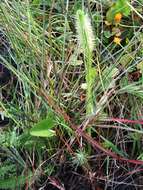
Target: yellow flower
<point>118,17</point>
<point>117,40</point>
<point>107,23</point>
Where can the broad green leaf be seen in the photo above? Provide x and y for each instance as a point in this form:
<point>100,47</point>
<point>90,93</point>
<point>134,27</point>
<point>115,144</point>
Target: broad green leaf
<point>120,6</point>
<point>123,7</point>
<point>107,34</point>
<point>44,127</point>
<point>110,14</point>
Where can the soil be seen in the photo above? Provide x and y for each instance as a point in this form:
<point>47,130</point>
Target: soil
<point>69,178</point>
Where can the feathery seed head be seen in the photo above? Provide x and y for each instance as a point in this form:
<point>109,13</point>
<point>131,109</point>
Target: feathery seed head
<point>84,31</point>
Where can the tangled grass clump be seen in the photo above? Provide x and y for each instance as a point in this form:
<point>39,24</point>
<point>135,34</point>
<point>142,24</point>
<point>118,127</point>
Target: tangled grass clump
<point>71,76</point>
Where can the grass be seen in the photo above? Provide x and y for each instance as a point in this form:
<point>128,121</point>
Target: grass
<point>63,60</point>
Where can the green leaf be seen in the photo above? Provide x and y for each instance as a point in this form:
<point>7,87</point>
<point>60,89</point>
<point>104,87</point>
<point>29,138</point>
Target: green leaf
<point>93,74</point>
<point>140,65</point>
<point>13,182</point>
<point>123,7</point>
<point>120,6</point>
<point>109,144</point>
<point>36,2</point>
<point>108,75</point>
<point>110,14</point>
<point>44,127</point>
<point>6,168</point>
<point>107,34</point>
<point>126,59</point>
